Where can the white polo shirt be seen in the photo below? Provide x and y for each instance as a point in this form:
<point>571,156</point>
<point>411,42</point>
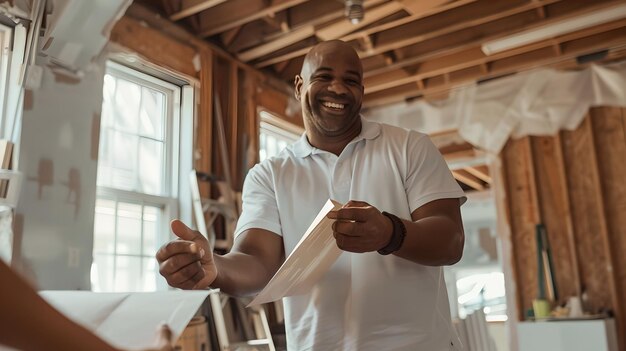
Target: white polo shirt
<point>366,301</point>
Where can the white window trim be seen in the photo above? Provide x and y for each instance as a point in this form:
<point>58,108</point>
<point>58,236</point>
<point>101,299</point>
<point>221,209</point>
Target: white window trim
<point>172,136</point>
<point>13,45</point>
<point>272,123</point>
<point>178,141</point>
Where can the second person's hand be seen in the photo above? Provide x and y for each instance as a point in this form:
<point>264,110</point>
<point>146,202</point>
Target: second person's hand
<point>187,263</point>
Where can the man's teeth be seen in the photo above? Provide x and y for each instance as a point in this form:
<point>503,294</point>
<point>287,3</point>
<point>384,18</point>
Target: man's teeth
<point>333,105</point>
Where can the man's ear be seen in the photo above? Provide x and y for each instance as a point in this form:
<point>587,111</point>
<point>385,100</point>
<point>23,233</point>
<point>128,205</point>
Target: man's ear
<point>297,83</point>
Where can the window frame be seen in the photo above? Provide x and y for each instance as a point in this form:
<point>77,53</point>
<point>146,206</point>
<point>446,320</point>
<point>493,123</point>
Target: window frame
<point>179,114</point>
<point>274,126</point>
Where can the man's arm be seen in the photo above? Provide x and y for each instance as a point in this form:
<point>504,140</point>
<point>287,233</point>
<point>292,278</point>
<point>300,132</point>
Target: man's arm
<point>434,236</point>
<point>255,257</point>
<point>189,263</point>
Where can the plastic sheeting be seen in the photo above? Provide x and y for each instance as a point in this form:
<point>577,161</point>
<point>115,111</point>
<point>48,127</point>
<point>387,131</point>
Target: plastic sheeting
<point>539,102</point>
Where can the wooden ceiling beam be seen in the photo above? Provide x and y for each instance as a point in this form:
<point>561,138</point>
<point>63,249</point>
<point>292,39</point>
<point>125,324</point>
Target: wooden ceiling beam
<point>343,27</point>
<point>468,179</point>
<point>230,35</point>
<point>312,14</point>
<point>192,7</point>
<point>480,172</point>
<point>307,14</point>
<point>469,57</point>
<point>235,13</point>
<point>261,50</point>
<point>539,57</point>
<point>366,31</point>
<point>464,18</point>
<point>416,7</point>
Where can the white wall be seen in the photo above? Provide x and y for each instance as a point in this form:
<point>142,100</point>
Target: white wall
<point>58,157</point>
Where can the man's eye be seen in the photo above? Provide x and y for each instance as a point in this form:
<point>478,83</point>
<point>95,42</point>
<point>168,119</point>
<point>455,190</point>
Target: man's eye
<point>353,82</point>
<point>323,77</point>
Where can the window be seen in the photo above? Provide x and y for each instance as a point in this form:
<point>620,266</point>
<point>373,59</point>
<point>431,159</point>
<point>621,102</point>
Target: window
<point>138,171</point>
<point>477,281</point>
<point>275,135</point>
<point>12,50</point>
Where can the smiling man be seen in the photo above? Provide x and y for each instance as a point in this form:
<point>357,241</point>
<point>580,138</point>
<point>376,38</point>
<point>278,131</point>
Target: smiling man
<point>400,225</point>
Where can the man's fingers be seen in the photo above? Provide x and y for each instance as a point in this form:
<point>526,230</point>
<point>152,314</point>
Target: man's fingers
<point>183,231</point>
<point>178,247</point>
<point>346,228</point>
<point>349,243</point>
<point>192,271</point>
<point>358,214</point>
<point>355,203</point>
<point>177,262</point>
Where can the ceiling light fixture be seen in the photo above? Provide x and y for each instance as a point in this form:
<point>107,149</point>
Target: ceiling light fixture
<point>554,29</point>
<point>355,11</point>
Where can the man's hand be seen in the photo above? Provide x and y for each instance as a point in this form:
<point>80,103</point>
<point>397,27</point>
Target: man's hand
<point>360,227</point>
<point>187,263</point>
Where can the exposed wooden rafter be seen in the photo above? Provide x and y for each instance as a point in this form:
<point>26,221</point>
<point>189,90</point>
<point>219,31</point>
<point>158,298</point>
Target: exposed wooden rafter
<point>410,48</point>
<point>235,13</point>
<point>192,7</point>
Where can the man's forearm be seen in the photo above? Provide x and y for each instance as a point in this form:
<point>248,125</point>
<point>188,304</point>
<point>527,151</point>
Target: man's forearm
<point>240,274</point>
<point>432,241</point>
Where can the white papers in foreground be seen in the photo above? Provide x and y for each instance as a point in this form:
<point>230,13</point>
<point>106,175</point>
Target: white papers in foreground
<point>310,259</point>
<point>128,320</point>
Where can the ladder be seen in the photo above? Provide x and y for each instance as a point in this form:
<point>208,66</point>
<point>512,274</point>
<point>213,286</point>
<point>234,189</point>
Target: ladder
<point>261,328</point>
<point>226,206</point>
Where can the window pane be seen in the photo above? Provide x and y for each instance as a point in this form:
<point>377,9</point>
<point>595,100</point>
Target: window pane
<point>149,274</point>
<point>104,227</point>
<point>262,147</point>
<point>108,97</point>
<point>482,291</point>
<point>133,160</point>
<point>127,273</point>
<point>125,161</point>
<point>151,218</point>
<point>271,146</point>
<point>126,108</point>
<point>102,273</point>
<point>129,229</point>
<point>151,165</point>
<point>152,113</point>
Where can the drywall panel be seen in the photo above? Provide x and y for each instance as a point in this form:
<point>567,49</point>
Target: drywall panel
<point>58,194</point>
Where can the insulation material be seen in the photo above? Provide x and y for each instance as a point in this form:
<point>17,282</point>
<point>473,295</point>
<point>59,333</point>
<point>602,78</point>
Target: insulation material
<point>539,102</point>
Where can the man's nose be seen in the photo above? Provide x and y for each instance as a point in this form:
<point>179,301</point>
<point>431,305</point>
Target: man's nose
<point>337,87</point>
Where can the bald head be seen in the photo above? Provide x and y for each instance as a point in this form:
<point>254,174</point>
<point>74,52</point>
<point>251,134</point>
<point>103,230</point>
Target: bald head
<point>335,49</point>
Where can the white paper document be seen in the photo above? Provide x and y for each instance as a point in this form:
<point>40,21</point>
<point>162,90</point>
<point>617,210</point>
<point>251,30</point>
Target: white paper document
<point>310,259</point>
<point>128,320</point>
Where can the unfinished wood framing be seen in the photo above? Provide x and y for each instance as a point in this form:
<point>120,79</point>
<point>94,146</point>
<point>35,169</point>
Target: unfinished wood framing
<point>153,45</point>
<point>524,215</point>
<point>204,141</point>
<point>410,48</point>
<point>581,198</point>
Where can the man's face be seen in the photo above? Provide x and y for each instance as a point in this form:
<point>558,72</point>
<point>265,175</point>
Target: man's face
<point>330,89</point>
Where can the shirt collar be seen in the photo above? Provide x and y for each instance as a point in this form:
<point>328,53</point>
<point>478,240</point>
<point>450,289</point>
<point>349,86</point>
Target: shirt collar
<point>369,130</point>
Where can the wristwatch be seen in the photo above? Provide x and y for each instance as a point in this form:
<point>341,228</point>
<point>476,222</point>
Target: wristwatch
<point>397,235</point>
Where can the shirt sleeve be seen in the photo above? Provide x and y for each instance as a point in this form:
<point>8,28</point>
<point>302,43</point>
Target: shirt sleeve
<point>428,177</point>
<point>259,208</point>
